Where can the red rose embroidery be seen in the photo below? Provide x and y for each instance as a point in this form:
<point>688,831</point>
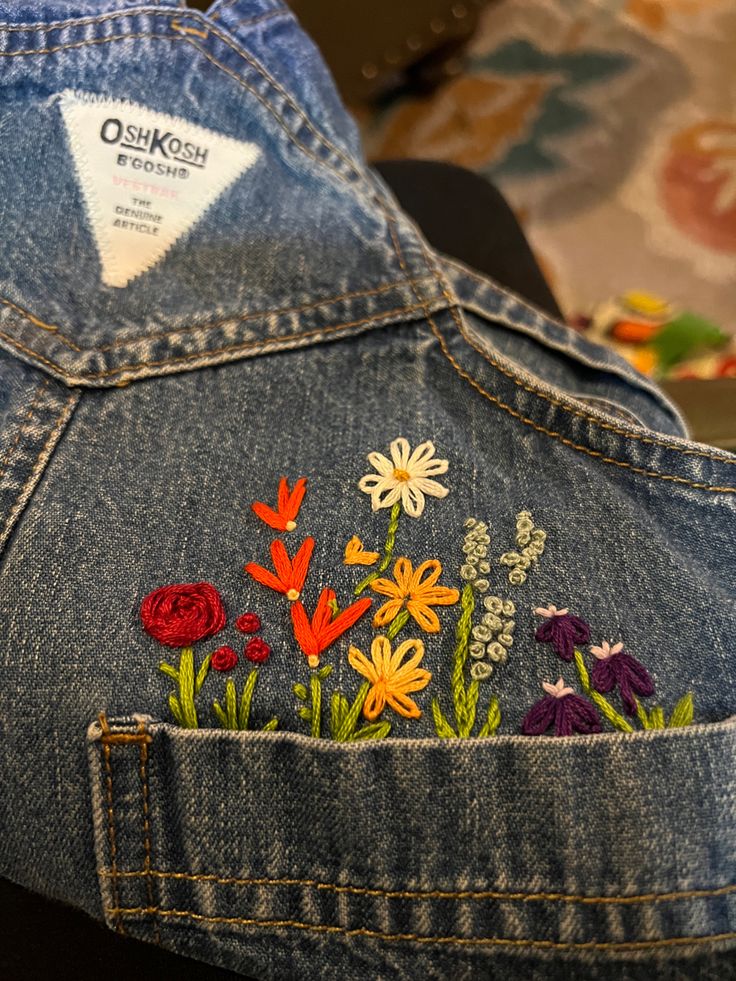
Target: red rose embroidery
<point>257,650</point>
<point>224,659</point>
<point>248,623</point>
<point>182,614</point>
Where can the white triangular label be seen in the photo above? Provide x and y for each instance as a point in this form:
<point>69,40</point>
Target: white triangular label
<point>147,177</point>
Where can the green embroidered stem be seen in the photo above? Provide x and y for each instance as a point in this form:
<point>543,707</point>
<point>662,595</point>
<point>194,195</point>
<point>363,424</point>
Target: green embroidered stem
<point>182,707</point>
<point>397,624</point>
<point>311,711</point>
<point>388,550</point>
<point>315,687</point>
<point>605,708</point>
<point>460,657</point>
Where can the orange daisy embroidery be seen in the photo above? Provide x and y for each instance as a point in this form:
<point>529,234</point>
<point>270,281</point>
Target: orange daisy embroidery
<point>290,573</point>
<point>289,502</point>
<point>410,591</point>
<point>355,554</point>
<point>324,628</point>
<point>391,680</point>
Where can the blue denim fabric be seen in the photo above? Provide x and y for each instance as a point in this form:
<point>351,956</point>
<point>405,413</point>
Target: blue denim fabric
<point>301,324</point>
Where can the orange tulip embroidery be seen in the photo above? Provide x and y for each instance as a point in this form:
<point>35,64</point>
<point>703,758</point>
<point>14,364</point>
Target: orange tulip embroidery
<point>391,680</point>
<point>355,554</point>
<point>289,502</point>
<point>411,594</point>
<point>324,628</point>
<point>290,573</point>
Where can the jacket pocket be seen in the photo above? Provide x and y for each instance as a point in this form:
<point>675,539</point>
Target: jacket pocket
<point>279,855</point>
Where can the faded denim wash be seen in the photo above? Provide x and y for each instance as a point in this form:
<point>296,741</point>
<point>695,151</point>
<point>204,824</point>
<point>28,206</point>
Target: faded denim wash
<point>301,324</point>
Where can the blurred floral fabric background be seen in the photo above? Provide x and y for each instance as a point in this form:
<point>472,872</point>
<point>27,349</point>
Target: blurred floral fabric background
<point>610,127</point>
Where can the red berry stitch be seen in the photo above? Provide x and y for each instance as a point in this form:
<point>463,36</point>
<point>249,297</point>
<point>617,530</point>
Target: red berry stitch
<point>224,659</point>
<point>248,623</point>
<point>257,650</point>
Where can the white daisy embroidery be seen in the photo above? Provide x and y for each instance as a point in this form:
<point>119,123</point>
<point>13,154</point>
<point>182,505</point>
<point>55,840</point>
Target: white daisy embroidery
<point>405,477</point>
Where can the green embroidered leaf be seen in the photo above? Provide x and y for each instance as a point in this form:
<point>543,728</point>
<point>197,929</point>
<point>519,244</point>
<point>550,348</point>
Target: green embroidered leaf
<point>271,725</point>
<point>306,714</point>
<point>175,708</point>
<point>643,717</point>
<point>682,714</point>
<point>323,673</point>
<point>202,674</point>
<point>493,720</point>
<point>169,670</point>
<point>376,730</point>
<point>656,717</point>
<point>350,719</point>
<point>442,726</point>
<point>247,698</point>
<point>301,692</point>
<point>222,718</point>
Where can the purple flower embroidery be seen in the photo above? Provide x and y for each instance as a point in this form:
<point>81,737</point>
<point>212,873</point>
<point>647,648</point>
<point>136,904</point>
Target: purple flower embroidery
<point>561,707</point>
<point>616,667</point>
<point>562,630</point>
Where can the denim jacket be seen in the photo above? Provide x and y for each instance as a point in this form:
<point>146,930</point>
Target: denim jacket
<point>358,619</point>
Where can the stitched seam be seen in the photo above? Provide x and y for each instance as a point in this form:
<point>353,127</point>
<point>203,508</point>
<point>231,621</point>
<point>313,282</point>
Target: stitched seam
<point>111,834</point>
<point>7,459</point>
<point>420,894</point>
<point>419,938</point>
<point>277,343</point>
<point>229,42</point>
<point>563,439</point>
<point>577,412</point>
<point>147,827</point>
<point>205,54</point>
<point>240,318</point>
<point>37,322</point>
<point>41,27</point>
<point>507,408</point>
<point>38,465</point>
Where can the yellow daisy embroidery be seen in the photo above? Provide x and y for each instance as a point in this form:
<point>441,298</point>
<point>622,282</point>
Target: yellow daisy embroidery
<point>411,591</point>
<point>391,681</point>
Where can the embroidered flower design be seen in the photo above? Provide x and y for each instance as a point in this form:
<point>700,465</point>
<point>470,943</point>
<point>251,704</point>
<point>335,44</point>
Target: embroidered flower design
<point>224,659</point>
<point>562,630</point>
<point>562,708</point>
<point>406,477</point>
<point>289,502</point>
<point>615,667</point>
<point>257,650</point>
<point>183,613</point>
<point>410,589</point>
<point>391,679</point>
<point>355,553</point>
<point>290,573</point>
<point>317,634</point>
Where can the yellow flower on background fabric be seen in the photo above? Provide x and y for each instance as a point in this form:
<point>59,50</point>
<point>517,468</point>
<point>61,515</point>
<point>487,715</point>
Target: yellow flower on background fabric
<point>355,553</point>
<point>410,590</point>
<point>391,680</point>
<point>406,477</point>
